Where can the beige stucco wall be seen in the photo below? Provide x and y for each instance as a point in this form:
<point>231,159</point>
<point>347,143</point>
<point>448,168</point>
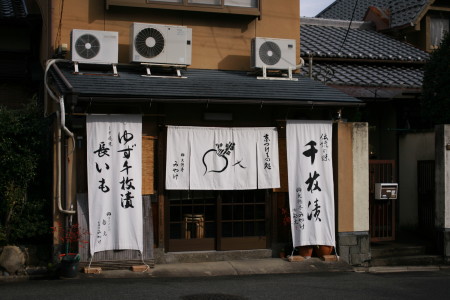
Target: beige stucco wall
<point>352,181</point>
<point>412,148</point>
<point>219,41</point>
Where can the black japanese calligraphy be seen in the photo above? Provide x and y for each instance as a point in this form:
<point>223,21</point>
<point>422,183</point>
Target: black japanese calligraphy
<point>311,152</point>
<point>178,167</point>
<point>103,187</point>
<point>297,214</point>
<point>221,152</point>
<point>313,180</point>
<point>126,183</point>
<point>324,145</point>
<point>102,150</point>
<point>315,211</point>
<point>126,136</point>
<point>267,161</point>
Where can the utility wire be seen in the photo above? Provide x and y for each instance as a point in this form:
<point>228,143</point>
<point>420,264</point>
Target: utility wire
<point>349,26</point>
<point>327,71</point>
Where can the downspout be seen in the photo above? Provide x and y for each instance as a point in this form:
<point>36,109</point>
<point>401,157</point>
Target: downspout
<point>310,65</point>
<point>61,117</point>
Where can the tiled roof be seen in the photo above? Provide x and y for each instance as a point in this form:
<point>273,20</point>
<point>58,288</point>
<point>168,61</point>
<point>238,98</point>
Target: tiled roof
<point>326,41</point>
<point>368,58</point>
<point>343,9</point>
<point>403,12</point>
<point>198,85</point>
<point>13,9</point>
<point>369,75</point>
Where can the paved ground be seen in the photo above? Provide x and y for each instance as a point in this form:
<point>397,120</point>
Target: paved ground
<point>237,267</point>
<point>325,285</point>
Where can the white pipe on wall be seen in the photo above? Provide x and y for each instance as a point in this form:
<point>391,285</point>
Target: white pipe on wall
<point>61,117</point>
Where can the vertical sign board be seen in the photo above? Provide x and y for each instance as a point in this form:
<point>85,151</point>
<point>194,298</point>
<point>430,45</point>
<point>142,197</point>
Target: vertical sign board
<point>310,177</point>
<point>114,158</point>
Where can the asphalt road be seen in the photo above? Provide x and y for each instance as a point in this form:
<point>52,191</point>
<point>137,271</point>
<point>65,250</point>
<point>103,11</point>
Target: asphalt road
<point>330,285</point>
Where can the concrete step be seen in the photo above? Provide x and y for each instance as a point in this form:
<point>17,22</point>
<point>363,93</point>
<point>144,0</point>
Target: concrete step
<point>410,260</point>
<point>392,251</point>
<point>210,256</point>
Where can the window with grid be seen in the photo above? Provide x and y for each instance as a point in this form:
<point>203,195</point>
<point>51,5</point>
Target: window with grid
<point>192,214</point>
<point>220,220</point>
<point>243,213</point>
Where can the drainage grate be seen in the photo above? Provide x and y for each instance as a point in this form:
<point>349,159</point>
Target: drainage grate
<point>213,297</point>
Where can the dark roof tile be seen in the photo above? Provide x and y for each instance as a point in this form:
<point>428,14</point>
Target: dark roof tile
<point>367,75</point>
<point>403,12</point>
<point>13,9</point>
<point>343,9</point>
<point>326,41</point>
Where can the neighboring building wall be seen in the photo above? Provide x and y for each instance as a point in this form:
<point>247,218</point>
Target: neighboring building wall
<point>442,174</point>
<point>412,148</point>
<point>352,186</point>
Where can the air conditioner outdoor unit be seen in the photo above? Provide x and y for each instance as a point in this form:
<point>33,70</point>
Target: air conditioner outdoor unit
<point>271,53</point>
<point>161,44</point>
<point>94,46</point>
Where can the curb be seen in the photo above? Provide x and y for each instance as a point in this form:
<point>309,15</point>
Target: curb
<point>231,268</point>
<point>399,269</point>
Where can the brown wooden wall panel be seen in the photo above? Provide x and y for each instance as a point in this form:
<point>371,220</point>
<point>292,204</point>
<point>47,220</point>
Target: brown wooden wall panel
<point>148,165</point>
<point>243,243</point>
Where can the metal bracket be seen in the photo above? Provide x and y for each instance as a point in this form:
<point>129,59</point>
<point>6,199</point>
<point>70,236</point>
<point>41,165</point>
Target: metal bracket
<point>177,69</point>
<point>114,67</point>
<point>265,76</point>
<point>75,65</point>
<point>77,69</point>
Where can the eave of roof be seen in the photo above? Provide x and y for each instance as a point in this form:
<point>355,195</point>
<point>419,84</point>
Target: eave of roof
<point>237,87</point>
<point>368,75</point>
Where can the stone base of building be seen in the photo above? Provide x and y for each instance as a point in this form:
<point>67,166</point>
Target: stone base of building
<point>354,247</point>
<point>162,257</point>
<point>443,242</point>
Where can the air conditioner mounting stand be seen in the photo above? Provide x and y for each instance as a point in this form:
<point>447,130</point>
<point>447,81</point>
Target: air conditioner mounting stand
<point>265,76</point>
<point>77,69</point>
<point>177,69</point>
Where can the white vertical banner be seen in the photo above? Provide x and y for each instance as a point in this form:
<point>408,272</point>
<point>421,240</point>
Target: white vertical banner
<point>114,167</point>
<point>310,178</point>
<point>222,158</point>
<point>178,158</point>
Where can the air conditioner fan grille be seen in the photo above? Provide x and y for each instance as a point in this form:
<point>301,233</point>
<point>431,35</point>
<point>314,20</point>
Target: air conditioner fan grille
<point>87,46</point>
<point>142,46</point>
<point>269,53</point>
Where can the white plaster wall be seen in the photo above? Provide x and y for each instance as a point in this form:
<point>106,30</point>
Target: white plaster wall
<point>442,176</point>
<point>360,148</point>
<point>447,176</point>
<point>412,147</point>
